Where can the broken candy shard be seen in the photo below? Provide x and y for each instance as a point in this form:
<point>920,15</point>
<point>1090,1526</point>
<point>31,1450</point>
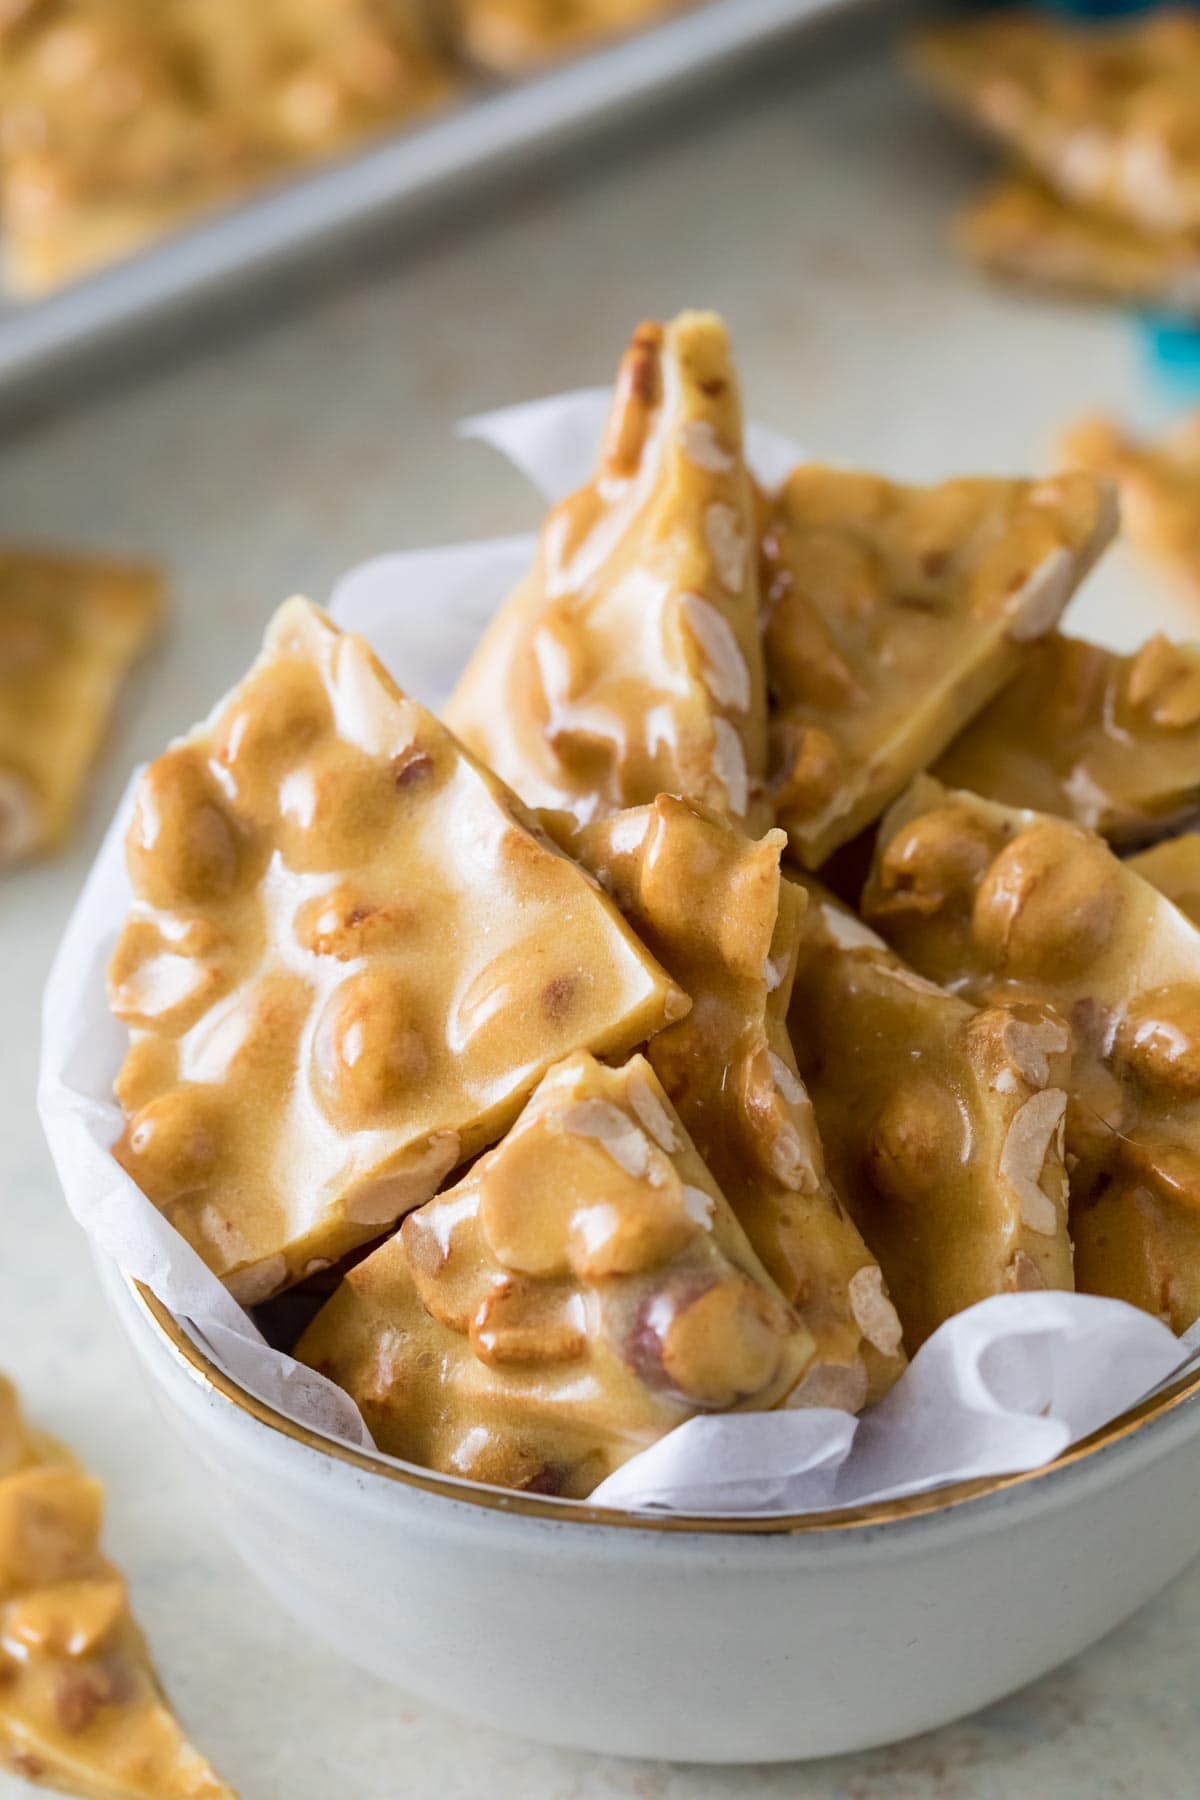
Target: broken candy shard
<point>628,663</point>
<point>942,1124</point>
<point>1013,906</point>
<point>81,1709</point>
<point>1173,867</point>
<point>1021,230</point>
<point>893,615</point>
<point>711,905</point>
<point>1112,742</point>
<point>1159,485</point>
<point>513,36</point>
<point>349,960</point>
<point>1105,115</point>
<point>582,1291</point>
<point>70,629</point>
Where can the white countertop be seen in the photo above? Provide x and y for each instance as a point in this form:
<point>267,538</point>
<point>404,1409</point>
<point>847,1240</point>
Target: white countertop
<point>813,216</point>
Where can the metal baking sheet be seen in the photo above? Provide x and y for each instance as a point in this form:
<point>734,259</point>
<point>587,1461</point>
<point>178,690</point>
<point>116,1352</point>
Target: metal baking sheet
<point>493,130</point>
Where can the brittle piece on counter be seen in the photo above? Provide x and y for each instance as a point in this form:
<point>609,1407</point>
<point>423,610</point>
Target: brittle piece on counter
<point>585,1289</point>
<point>892,615</point>
<point>81,1709</point>
<point>1107,116</point>
<point>1110,741</point>
<point>123,117</point>
<point>1159,485</point>
<point>711,906</point>
<point>942,1123</point>
<point>1021,230</point>
<point>349,960</point>
<point>1010,906</point>
<point>1173,867</point>
<point>510,36</point>
<point>628,664</point>
<point>70,629</point>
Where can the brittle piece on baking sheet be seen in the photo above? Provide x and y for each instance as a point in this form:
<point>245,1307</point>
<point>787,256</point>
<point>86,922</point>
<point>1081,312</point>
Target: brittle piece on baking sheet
<point>81,1709</point>
<point>942,1123</point>
<point>585,1289</point>
<point>1107,116</point>
<point>628,664</point>
<point>1159,485</point>
<point>511,36</point>
<point>1010,906</point>
<point>710,904</point>
<point>1173,867</point>
<point>1110,741</point>
<point>70,629</point>
<point>123,117</point>
<point>349,959</point>
<point>892,615</point>
<point>1021,230</point>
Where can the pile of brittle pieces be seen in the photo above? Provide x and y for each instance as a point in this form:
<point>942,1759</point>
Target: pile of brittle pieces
<point>774,951</point>
<point>1103,131</point>
<point>119,119</point>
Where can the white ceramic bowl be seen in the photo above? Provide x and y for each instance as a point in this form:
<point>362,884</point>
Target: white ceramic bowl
<point>694,1640</point>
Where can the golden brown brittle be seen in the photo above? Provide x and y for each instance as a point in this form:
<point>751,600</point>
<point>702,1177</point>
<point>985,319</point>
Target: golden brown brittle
<point>349,961</point>
<point>582,1291</point>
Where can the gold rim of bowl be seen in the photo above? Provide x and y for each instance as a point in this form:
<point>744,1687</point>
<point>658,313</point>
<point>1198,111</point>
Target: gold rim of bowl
<point>543,1506</point>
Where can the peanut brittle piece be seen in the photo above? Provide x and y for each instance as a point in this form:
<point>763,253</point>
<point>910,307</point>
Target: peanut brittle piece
<point>81,1709</point>
<point>628,664</point>
<point>711,906</point>
<point>1010,906</point>
<point>123,117</point>
<point>70,628</point>
<point>1107,116</point>
<point>1173,867</point>
<point>1110,741</point>
<point>942,1123</point>
<point>582,1291</point>
<point>349,960</point>
<point>1020,230</point>
<point>511,36</point>
<point>1159,485</point>
<point>892,615</point>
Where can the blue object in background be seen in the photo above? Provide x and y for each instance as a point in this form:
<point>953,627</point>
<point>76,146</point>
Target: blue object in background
<point>1171,352</point>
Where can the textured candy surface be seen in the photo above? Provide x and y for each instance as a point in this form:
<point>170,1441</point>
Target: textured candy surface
<point>942,1123</point>
<point>1014,906</point>
<point>81,1709</point>
<point>582,1291</point>
<point>711,905</point>
<point>349,960</point>
<point>892,615</point>
<point>628,664</point>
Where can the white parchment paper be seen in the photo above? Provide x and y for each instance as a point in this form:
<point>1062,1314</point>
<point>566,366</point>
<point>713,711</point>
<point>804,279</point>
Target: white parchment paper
<point>1004,1387</point>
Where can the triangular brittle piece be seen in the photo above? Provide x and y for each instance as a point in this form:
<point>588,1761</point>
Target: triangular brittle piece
<point>942,1123</point>
<point>628,663</point>
<point>70,627</point>
<point>711,905</point>
<point>1159,484</point>
<point>1110,741</point>
<point>81,1709</point>
<point>1173,867</point>
<point>1107,116</point>
<point>582,1291</point>
<point>893,614</point>
<point>1022,231</point>
<point>349,960</point>
<point>1014,906</point>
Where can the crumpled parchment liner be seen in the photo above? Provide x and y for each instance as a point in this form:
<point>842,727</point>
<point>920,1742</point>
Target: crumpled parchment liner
<point>1004,1387</point>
